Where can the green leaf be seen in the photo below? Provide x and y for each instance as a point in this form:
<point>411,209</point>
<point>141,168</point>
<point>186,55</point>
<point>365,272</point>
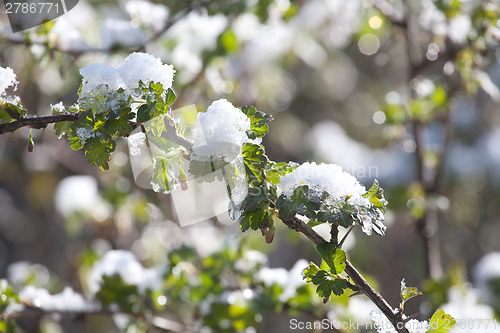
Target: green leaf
<point>326,282</point>
<point>310,271</point>
<point>115,290</point>
<point>441,322</point>
<point>229,41</point>
<point>329,286</point>
<point>376,196</point>
<point>143,113</point>
<point>334,257</point>
<point>254,220</point>
<point>170,98</point>
<point>277,170</point>
<point>75,143</point>
<point>256,200</point>
<point>255,161</point>
<point>407,293</point>
<point>207,171</point>
<point>258,122</point>
<point>121,124</point>
<point>163,177</point>
<point>14,111</point>
<point>5,118</point>
<point>300,202</point>
<point>99,151</point>
<point>61,128</point>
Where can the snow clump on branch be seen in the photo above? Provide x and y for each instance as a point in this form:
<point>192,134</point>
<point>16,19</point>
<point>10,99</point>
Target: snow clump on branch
<point>220,132</point>
<point>7,78</point>
<point>101,83</point>
<point>328,178</point>
<point>126,265</point>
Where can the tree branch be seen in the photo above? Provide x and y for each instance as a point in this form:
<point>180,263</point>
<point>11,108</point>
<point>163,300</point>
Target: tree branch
<point>42,122</point>
<point>427,224</point>
<point>361,284</point>
<point>37,122</point>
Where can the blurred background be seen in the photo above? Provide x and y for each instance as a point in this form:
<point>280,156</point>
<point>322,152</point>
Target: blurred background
<point>405,92</point>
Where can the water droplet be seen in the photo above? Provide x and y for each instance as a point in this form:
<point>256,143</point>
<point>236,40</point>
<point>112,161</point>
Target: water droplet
<point>234,210</point>
<point>167,191</point>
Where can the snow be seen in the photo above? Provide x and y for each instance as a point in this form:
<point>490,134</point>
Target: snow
<point>383,325</point>
<point>126,265</point>
<point>120,32</point>
<point>67,300</point>
<point>147,13</point>
<point>76,193</point>
<point>68,28</point>
<point>84,134</point>
<point>136,67</point>
<point>464,307</point>
<point>250,260</point>
<point>220,132</point>
<point>19,273</point>
<point>59,107</point>
<point>288,280</point>
<point>458,28</point>
<point>328,178</point>
<point>135,141</point>
<point>486,270</point>
<point>67,36</point>
<point>7,79</point>
<point>192,35</point>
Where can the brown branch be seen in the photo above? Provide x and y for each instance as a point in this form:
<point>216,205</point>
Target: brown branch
<point>42,122</point>
<point>361,284</point>
<point>37,122</point>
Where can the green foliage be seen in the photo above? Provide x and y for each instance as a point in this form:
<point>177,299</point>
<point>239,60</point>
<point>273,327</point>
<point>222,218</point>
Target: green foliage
<point>277,170</point>
<point>255,219</point>
<point>333,256</point>
<point>258,122</point>
<point>441,322</point>
<point>7,296</point>
<point>207,171</point>
<point>327,282</point>
<point>11,112</point>
<point>98,151</point>
<point>119,124</point>
<point>320,209</point>
<point>115,291</point>
<point>407,293</point>
<point>255,162</point>
<point>163,177</point>
<point>301,202</point>
<point>157,101</point>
